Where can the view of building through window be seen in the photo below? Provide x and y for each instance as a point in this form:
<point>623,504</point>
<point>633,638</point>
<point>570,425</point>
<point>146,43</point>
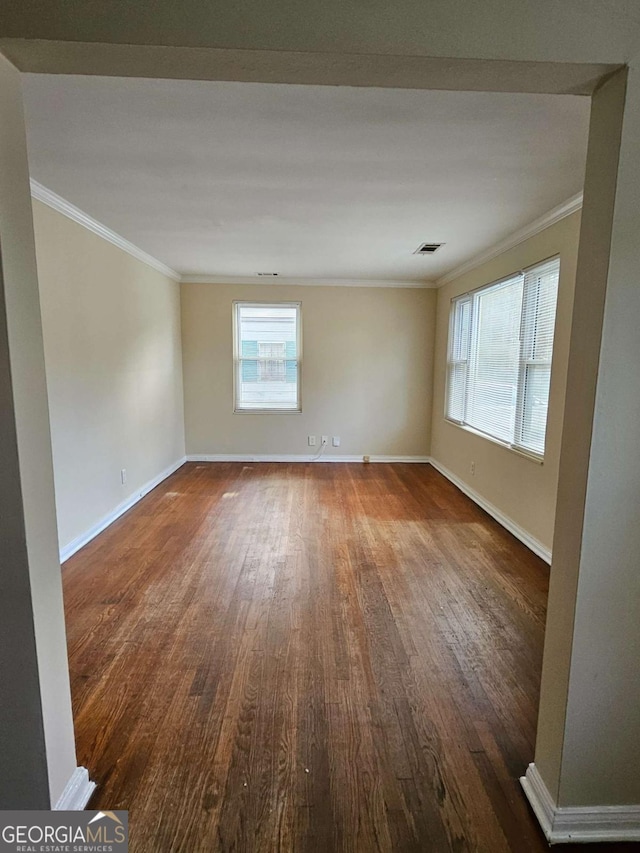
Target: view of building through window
<point>272,365</point>
<point>267,356</point>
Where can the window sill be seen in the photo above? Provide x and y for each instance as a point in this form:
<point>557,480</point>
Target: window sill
<point>267,411</point>
<point>531,457</point>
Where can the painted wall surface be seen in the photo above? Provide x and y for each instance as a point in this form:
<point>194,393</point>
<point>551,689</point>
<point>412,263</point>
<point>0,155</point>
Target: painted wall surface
<point>519,487</point>
<point>111,328</point>
<point>575,30</point>
<point>586,332</point>
<point>599,559</point>
<point>37,746</point>
<point>367,368</point>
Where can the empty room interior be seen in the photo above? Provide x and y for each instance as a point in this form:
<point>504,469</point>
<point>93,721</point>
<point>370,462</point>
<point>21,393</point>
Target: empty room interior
<point>314,433</point>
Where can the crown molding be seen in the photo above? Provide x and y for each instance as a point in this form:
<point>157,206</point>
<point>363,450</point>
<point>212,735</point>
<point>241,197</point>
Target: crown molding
<point>53,200</point>
<point>304,282</point>
<point>48,197</point>
<point>571,205</point>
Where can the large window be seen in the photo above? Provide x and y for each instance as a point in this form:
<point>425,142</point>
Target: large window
<point>499,358</point>
<point>267,356</point>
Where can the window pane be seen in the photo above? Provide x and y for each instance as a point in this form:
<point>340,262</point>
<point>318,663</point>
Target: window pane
<point>273,367</point>
<point>458,359</point>
<point>535,405</point>
<point>499,356</point>
<point>538,319</point>
<point>456,386</point>
<point>493,384</point>
<point>462,330</point>
<point>267,360</point>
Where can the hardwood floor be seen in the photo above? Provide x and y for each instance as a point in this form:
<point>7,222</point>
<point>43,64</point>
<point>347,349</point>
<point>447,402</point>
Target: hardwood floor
<point>309,657</point>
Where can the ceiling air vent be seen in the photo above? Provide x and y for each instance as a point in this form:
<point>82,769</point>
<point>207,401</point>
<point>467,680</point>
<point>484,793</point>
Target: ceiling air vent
<point>268,274</point>
<point>427,248</point>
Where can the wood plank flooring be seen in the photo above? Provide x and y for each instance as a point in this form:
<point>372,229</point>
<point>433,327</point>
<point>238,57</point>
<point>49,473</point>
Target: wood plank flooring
<point>309,657</point>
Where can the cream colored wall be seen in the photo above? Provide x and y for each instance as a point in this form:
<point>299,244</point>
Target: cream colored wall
<point>605,648</point>
<point>588,750</point>
<point>520,488</point>
<point>366,376</point>
<point>111,327</point>
<point>36,724</point>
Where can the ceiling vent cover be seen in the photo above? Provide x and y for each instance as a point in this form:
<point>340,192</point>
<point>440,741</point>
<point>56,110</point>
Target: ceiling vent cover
<point>427,248</point>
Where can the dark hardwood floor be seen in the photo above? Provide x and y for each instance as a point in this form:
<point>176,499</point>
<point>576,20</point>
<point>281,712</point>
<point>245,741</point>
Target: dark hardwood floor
<point>309,657</point>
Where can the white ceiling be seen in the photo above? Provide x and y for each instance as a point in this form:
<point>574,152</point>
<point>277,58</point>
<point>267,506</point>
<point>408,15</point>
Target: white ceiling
<point>312,182</point>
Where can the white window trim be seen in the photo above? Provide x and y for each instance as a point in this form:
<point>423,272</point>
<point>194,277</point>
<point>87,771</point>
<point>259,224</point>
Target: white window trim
<point>514,447</point>
<point>237,360</point>
<point>451,362</point>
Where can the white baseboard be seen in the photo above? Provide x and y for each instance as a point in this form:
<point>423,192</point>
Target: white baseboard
<point>80,541</point>
<point>508,523</point>
<point>77,792</point>
<point>539,798</point>
<point>293,457</point>
<point>421,460</point>
<point>579,824</point>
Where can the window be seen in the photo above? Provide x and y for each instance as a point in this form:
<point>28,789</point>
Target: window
<point>267,357</point>
<point>272,365</point>
<point>499,358</point>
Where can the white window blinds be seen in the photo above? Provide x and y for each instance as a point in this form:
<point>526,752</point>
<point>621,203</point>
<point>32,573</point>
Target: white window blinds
<point>267,356</point>
<point>499,357</point>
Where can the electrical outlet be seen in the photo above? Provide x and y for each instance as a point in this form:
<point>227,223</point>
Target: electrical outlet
<point>325,440</point>
<point>336,441</point>
<point>472,468</point>
<point>312,441</point>
<point>123,475</point>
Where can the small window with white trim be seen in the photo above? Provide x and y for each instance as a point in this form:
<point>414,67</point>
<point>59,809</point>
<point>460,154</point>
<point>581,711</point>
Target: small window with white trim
<point>499,357</point>
<point>267,356</point>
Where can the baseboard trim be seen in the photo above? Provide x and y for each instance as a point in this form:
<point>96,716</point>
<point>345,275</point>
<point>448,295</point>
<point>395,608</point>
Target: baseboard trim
<point>578,824</point>
<point>80,541</point>
<point>293,457</point>
<point>539,798</point>
<point>77,792</point>
<point>508,523</point>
